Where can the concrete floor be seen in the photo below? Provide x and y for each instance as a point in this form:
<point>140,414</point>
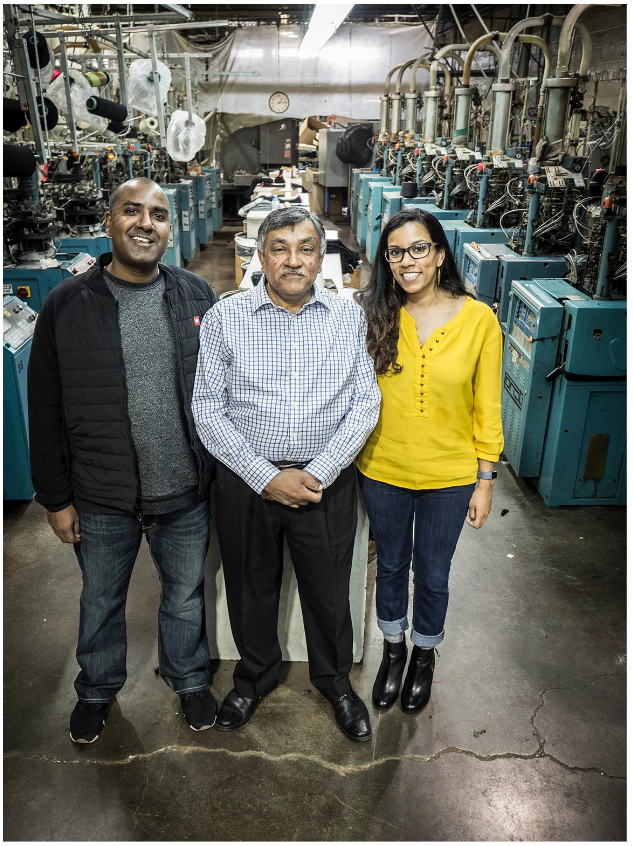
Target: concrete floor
<point>524,738</point>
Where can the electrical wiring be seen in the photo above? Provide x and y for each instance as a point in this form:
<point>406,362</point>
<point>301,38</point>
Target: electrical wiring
<point>505,214</point>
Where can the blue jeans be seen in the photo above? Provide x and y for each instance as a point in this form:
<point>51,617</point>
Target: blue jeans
<point>109,544</point>
<point>420,527</point>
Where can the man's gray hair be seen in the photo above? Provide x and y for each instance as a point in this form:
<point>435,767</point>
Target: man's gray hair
<point>282,218</point>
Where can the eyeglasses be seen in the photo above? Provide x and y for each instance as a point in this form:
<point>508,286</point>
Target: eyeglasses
<point>416,251</point>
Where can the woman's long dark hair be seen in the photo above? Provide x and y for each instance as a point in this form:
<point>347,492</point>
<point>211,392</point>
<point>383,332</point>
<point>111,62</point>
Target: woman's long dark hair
<point>382,299</point>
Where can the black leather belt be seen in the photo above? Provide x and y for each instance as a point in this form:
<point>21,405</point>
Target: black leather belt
<point>290,465</point>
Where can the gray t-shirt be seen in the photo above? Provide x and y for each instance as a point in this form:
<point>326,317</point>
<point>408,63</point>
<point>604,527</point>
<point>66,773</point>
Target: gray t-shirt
<point>166,463</point>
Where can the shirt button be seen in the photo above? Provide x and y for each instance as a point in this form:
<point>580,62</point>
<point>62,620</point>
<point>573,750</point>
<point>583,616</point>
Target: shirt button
<point>294,375</point>
<point>295,346</point>
<point>423,356</point>
<point>295,405</point>
<point>430,349</point>
<point>437,340</point>
<point>441,333</point>
<point>293,435</point>
<point>422,394</point>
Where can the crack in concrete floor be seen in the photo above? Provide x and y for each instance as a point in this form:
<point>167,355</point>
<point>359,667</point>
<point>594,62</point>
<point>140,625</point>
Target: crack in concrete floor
<point>343,769</point>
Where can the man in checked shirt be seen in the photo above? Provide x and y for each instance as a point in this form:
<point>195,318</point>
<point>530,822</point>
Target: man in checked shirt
<point>285,396</point>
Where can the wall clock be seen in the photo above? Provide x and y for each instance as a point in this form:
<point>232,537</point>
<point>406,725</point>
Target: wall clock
<point>278,102</point>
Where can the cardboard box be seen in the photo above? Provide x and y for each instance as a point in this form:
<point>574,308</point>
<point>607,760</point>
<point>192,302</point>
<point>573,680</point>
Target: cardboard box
<point>335,205</point>
<point>317,199</point>
<point>354,279</point>
<point>308,178</point>
<point>309,130</point>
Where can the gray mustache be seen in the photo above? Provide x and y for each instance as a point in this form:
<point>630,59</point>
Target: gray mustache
<point>294,272</point>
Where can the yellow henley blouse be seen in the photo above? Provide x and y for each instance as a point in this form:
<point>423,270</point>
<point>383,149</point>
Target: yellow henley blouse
<point>443,410</point>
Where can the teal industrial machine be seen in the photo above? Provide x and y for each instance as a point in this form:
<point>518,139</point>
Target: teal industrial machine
<point>354,199</point>
<point>480,267</point>
<point>564,393</point>
<point>186,216</point>
<point>95,244</point>
<point>377,191</point>
<point>18,323</point>
<point>188,219</point>
<point>203,186</point>
<point>391,204</point>
<point>173,253</point>
<point>365,180</point>
<point>216,196</point>
<point>31,282</point>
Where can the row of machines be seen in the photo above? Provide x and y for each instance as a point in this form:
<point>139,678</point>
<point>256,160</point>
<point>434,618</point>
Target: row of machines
<point>537,224</point>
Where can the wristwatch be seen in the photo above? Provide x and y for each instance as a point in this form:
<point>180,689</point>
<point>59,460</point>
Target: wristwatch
<point>487,474</point>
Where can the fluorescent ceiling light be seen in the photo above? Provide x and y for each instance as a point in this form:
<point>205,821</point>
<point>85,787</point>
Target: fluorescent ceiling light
<point>326,19</point>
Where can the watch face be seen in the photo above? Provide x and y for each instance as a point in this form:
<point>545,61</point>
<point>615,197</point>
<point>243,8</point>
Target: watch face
<point>278,102</point>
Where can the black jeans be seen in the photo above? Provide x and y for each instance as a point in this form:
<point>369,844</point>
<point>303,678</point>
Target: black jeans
<point>321,542</point>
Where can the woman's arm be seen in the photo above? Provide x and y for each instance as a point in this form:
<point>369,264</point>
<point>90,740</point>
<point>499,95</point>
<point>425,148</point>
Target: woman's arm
<point>481,500</point>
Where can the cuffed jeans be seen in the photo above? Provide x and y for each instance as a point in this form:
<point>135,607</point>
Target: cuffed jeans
<point>109,544</point>
<point>419,527</point>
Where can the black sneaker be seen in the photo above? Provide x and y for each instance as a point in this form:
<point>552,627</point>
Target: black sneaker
<point>87,721</point>
<point>200,709</point>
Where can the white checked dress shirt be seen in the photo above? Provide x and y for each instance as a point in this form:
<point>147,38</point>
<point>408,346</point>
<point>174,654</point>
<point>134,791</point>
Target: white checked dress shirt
<point>273,386</point>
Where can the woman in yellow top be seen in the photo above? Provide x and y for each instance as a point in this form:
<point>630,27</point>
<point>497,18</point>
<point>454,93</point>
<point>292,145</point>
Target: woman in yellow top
<point>429,463</point>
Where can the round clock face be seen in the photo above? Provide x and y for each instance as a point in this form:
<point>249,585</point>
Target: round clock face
<point>278,102</point>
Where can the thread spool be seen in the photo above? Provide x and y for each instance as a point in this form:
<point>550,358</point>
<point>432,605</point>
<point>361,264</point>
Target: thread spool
<point>106,109</point>
<point>408,190</point>
<point>117,127</point>
<point>50,118</point>
<point>148,125</point>
<point>13,118</point>
<point>97,78</point>
<point>17,161</point>
<point>36,44</point>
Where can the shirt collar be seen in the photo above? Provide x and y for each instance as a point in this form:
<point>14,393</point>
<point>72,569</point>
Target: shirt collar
<point>261,297</point>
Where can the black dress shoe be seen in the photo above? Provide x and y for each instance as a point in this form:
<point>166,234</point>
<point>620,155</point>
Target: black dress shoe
<point>390,672</point>
<point>237,710</point>
<point>352,717</point>
<point>416,690</point>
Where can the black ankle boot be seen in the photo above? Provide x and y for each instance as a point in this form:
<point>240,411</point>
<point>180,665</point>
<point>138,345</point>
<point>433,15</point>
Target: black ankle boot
<point>416,690</point>
<point>390,672</point>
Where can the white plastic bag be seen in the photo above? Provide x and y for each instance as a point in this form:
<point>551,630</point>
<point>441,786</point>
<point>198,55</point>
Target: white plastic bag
<point>140,88</point>
<point>184,139</point>
<point>80,90</point>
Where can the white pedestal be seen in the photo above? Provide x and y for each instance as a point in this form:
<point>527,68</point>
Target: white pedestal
<point>290,629</point>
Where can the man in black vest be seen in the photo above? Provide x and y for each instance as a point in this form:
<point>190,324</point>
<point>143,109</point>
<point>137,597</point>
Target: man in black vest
<point>115,454</point>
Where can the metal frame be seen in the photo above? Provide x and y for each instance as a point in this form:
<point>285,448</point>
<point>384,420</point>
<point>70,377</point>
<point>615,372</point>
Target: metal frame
<point>25,84</point>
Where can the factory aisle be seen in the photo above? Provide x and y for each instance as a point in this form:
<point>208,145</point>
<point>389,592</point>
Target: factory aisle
<point>524,738</point>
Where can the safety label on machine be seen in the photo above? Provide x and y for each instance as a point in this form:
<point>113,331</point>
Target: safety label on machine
<point>7,290</point>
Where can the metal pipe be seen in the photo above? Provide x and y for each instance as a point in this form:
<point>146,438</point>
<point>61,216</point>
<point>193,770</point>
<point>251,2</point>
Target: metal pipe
<point>402,70</point>
<point>517,29</point>
<point>419,63</point>
<point>188,86</point>
<point>435,65</point>
<point>388,79</point>
<point>159,105</point>
<point>70,117</point>
<point>476,45</point>
<point>564,42</point>
<point>503,93</point>
<point>481,20</point>
<point>39,82</point>
<point>121,64</point>
<point>619,132</point>
<point>431,108</point>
